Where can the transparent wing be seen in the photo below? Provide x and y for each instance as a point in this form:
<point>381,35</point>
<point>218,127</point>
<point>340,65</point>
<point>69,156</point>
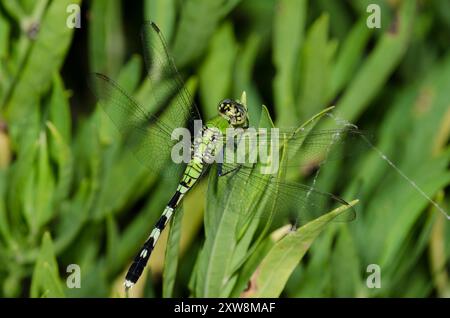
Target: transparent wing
<point>149,135</point>
<point>304,147</point>
<point>162,72</point>
<point>290,199</point>
<point>293,147</point>
<point>144,134</point>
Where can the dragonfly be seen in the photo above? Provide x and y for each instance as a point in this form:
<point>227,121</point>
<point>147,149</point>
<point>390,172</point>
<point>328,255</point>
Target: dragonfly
<point>149,136</point>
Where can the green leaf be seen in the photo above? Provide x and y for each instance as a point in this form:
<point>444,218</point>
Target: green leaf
<point>39,187</point>
<point>112,240</point>
<point>163,13</point>
<point>289,24</point>
<point>5,232</point>
<point>46,281</point>
<point>37,73</point>
<point>198,21</point>
<point>272,274</point>
<point>106,39</point>
<point>59,109</point>
<point>5,150</point>
<point>216,72</point>
<point>340,17</point>
<point>74,215</point>
<point>349,56</point>
<point>62,154</point>
<point>5,30</point>
<point>379,65</point>
<point>242,80</point>
<point>255,259</point>
<point>139,228</point>
<point>315,68</point>
<point>235,223</point>
<point>345,265</point>
<point>172,254</point>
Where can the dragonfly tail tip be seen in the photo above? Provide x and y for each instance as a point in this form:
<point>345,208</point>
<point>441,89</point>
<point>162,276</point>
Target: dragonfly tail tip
<point>128,284</point>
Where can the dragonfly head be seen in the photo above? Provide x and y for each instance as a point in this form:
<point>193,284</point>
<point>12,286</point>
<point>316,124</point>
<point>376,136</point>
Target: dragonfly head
<point>234,112</point>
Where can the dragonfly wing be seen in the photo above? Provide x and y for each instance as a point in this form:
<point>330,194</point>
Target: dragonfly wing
<point>291,199</point>
<point>145,135</point>
<point>304,147</point>
<point>161,70</point>
<point>148,135</point>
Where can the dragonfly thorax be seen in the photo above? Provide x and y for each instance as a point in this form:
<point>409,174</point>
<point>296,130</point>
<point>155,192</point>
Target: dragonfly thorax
<point>206,144</point>
<point>235,113</point>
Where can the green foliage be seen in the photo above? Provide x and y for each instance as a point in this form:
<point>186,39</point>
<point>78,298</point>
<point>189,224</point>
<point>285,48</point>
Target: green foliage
<point>71,193</point>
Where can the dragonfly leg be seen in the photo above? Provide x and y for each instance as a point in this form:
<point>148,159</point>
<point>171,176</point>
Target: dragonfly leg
<point>222,173</point>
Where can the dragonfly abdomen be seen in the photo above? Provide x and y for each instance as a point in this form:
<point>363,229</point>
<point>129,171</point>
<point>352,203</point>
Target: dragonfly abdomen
<point>191,175</point>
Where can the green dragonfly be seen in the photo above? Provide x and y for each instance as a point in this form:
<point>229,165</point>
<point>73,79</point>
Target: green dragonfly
<point>148,135</point>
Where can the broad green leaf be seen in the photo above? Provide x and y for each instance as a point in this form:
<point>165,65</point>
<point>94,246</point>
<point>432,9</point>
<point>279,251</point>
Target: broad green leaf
<point>272,274</point>
<point>312,279</point>
<point>232,219</point>
<point>242,284</point>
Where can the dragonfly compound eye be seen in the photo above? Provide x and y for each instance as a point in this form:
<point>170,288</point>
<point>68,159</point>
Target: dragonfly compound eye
<point>234,112</point>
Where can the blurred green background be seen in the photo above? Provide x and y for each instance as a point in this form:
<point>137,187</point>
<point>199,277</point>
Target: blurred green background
<point>70,193</point>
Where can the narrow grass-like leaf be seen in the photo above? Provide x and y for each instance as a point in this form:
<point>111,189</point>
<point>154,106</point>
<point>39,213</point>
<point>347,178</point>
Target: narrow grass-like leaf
<point>44,59</point>
<point>5,150</point>
<point>46,281</point>
<point>5,30</point>
<point>437,255</point>
<point>112,239</point>
<point>216,73</point>
<point>59,109</point>
<point>106,40</point>
<point>315,68</point>
<point>163,13</point>
<point>379,65</point>
<point>289,24</point>
<point>345,265</point>
<point>172,254</point>
<point>39,189</point>
<point>198,21</point>
<point>5,232</point>
<point>350,54</point>
<point>242,80</point>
